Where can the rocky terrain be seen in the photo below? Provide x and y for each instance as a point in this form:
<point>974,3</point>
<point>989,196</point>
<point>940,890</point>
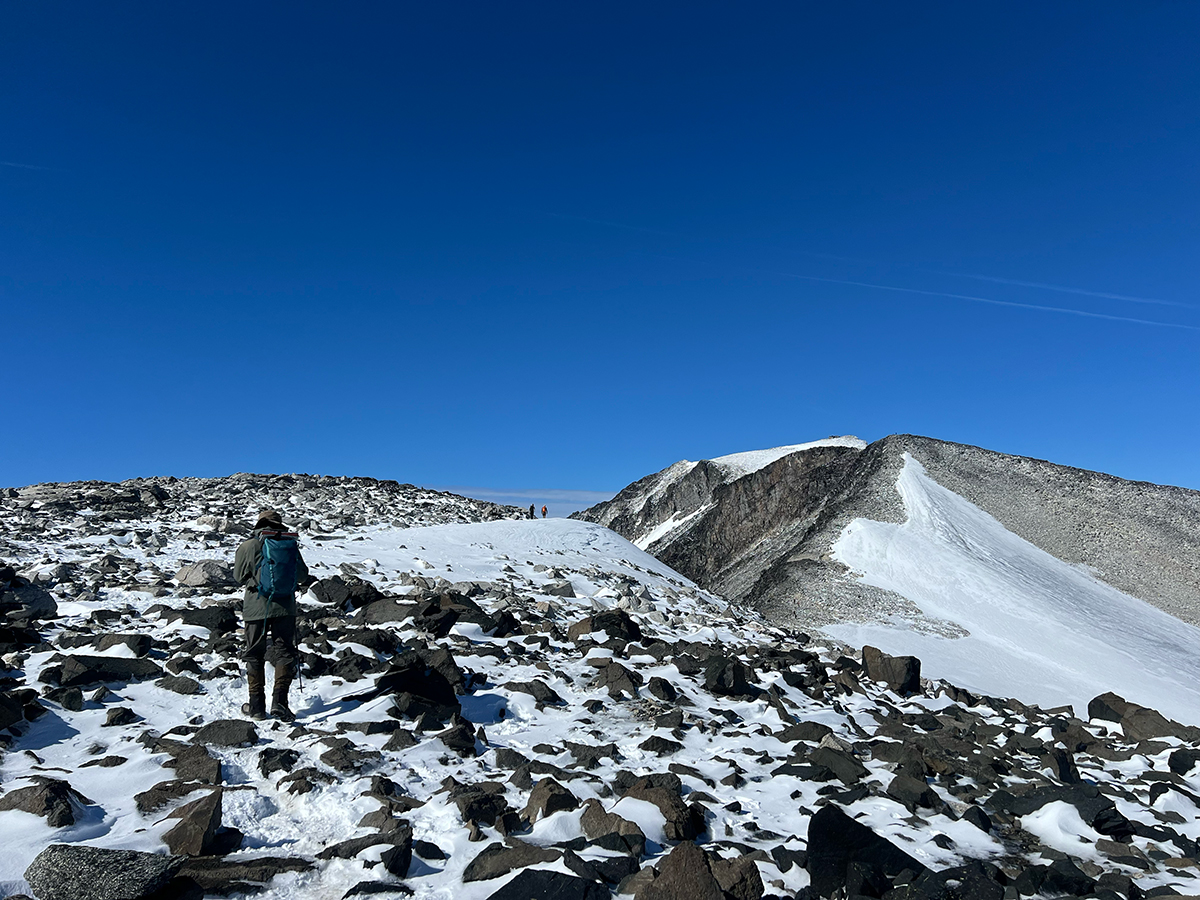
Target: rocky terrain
<point>494,707</point>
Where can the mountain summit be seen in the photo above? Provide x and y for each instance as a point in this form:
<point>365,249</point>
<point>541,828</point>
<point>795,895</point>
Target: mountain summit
<point>1004,572</point>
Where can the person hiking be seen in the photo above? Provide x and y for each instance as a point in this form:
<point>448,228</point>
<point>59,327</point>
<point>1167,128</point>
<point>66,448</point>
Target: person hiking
<point>269,564</point>
<point>543,511</point>
<point>532,515</point>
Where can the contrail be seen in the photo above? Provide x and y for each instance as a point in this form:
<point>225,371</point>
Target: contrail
<point>1069,290</point>
<point>1057,309</point>
<point>24,166</point>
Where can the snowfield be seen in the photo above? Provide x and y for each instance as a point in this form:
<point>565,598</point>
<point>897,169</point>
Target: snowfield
<point>1039,628</point>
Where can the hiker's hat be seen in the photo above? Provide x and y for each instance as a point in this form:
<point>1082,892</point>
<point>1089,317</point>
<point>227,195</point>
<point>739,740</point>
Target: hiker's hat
<point>269,517</point>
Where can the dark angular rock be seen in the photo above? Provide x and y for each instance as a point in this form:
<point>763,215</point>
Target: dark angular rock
<point>901,674</point>
<point>913,793</point>
<point>845,767</point>
<point>227,733</point>
<point>684,875</point>
<point>140,644</point>
<point>610,831</point>
<point>977,817</point>
<point>498,859</point>
<point>196,833</point>
<point>539,690</point>
<point>179,684</point>
<point>345,756</point>
<point>835,841</point>
<point>83,671</point>
<point>539,884</point>
<point>119,715</point>
<point>660,746</point>
<point>618,680</point>
<point>206,573</point>
<point>348,849</point>
<point>728,677</point>
<point>547,798</point>
<point>684,822</point>
<point>224,876</point>
<point>76,872</point>
<point>70,698</point>
<point>219,620</point>
<point>1183,760</point>
<point>662,689</point>
<point>277,759</point>
<point>50,798</point>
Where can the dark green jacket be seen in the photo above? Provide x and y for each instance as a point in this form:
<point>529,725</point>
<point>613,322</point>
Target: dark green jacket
<point>245,564</point>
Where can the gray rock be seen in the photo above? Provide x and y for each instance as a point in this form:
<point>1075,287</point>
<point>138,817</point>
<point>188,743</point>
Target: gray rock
<point>206,573</point>
<point>74,872</point>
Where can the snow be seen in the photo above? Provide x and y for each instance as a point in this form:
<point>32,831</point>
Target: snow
<point>738,465</point>
<point>664,528</point>
<point>1040,629</point>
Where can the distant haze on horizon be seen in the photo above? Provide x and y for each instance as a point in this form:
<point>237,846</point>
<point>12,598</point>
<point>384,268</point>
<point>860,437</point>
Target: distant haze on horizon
<point>545,245</point>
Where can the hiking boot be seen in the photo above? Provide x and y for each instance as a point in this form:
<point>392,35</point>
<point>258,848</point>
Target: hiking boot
<point>256,683</point>
<point>284,672</point>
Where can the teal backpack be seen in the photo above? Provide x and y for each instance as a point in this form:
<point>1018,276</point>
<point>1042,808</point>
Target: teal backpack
<point>277,565</point>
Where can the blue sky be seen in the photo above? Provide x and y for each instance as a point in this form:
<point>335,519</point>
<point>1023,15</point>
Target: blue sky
<point>544,246</point>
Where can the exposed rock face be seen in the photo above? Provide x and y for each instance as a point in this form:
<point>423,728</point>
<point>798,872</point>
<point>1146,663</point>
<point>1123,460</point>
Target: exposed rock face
<point>765,537</point>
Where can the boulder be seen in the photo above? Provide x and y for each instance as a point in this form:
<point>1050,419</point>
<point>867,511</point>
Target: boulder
<point>617,680</point>
<point>901,674</point>
<point>28,601</point>
<point>684,875</point>
<point>728,677</point>
<point>547,798</point>
<point>683,822</point>
<point>51,798</point>
<point>206,573</point>
<point>540,884</point>
<point>610,831</point>
<point>75,872</point>
<point>82,671</point>
<point>616,623</point>
<point>227,733</point>
<point>196,833</point>
<point>835,841</point>
<point>498,859</point>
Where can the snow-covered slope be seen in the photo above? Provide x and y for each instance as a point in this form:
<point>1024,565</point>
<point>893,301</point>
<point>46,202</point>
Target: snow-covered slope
<point>738,465</point>
<point>1037,627</point>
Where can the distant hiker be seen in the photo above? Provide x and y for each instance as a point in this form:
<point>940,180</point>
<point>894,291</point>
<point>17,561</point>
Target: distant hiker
<point>543,511</point>
<point>532,514</point>
<point>270,566</point>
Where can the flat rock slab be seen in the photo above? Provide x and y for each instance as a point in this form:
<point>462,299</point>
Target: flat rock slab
<point>73,872</point>
<point>227,733</point>
<point>80,671</point>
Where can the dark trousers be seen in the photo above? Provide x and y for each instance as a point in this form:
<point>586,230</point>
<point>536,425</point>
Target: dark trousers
<point>280,632</point>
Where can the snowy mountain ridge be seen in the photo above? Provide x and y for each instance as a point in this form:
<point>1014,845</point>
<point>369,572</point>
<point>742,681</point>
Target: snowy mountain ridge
<point>1004,573</point>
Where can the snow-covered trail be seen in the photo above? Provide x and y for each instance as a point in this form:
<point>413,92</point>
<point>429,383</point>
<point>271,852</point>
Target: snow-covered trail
<point>1040,629</point>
